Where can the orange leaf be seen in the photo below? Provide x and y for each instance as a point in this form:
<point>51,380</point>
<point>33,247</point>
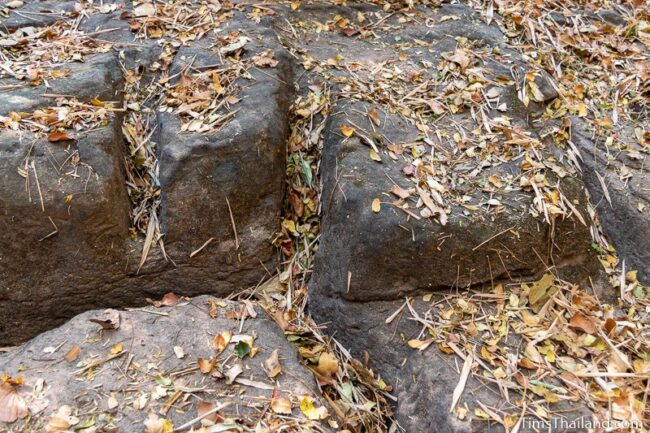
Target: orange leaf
<point>583,323</point>
<point>348,131</point>
<point>72,354</point>
<point>59,136</point>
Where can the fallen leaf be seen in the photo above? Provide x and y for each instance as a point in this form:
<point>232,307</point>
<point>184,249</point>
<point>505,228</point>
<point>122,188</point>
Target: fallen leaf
<point>12,405</point>
<point>541,291</point>
<point>400,192</point>
<point>376,205</point>
<point>233,372</point>
<point>328,365</point>
<point>272,364</point>
<point>144,10</point>
<point>280,404</point>
<point>110,319</point>
<point>203,407</point>
<point>59,136</point>
<point>155,424</point>
<point>348,131</point>
<point>307,407</point>
<point>214,311</point>
<point>242,349</point>
<point>205,365</point>
<point>179,352</point>
<point>61,421</point>
<point>72,354</point>
<point>372,114</point>
<point>221,341</point>
<point>583,323</point>
<point>112,402</point>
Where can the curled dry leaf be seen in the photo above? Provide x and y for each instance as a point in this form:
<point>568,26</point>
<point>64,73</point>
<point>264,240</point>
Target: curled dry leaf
<point>310,410</point>
<point>155,424</point>
<point>348,131</point>
<point>59,136</point>
<point>110,319</point>
<point>205,365</point>
<point>583,323</point>
<point>280,404</point>
<point>328,365</point>
<point>12,405</point>
<point>221,341</point>
<point>272,364</point>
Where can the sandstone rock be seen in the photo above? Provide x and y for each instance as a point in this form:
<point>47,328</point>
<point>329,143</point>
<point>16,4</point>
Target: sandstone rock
<point>92,259</point>
<point>150,365</point>
<point>619,185</point>
<point>366,255</point>
<point>216,184</point>
<point>99,76</point>
<point>63,226</point>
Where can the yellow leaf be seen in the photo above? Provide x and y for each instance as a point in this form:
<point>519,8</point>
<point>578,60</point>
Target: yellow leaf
<point>294,6</point>
<point>307,407</point>
<point>290,226</point>
<point>374,155</point>
<point>582,110</point>
<point>348,131</point>
<point>376,205</point>
<point>117,349</point>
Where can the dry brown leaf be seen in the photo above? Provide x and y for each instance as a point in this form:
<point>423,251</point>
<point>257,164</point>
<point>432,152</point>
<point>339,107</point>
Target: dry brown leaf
<point>272,364</point>
<point>59,136</point>
<point>376,205</point>
<point>400,192</point>
<point>280,404</point>
<point>110,319</point>
<point>348,131</point>
<point>205,365</point>
<point>328,365</point>
<point>374,117</point>
<point>72,354</point>
<point>583,323</point>
<point>221,341</point>
<point>203,408</point>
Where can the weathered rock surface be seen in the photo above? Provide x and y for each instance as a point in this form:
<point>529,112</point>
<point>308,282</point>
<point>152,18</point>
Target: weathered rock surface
<point>63,219</point>
<point>367,255</point>
<point>153,369</point>
<point>225,186</point>
<point>619,185</point>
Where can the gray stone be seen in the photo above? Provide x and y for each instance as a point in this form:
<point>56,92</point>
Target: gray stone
<point>150,369</point>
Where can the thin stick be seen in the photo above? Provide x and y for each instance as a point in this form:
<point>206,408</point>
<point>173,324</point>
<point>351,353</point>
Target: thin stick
<point>56,230</point>
<point>234,227</point>
<point>493,237</point>
<point>38,186</point>
<point>199,418</point>
<point>205,244</point>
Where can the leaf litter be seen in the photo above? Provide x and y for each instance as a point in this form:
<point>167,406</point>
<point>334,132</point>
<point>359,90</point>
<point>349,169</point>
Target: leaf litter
<point>576,348</point>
